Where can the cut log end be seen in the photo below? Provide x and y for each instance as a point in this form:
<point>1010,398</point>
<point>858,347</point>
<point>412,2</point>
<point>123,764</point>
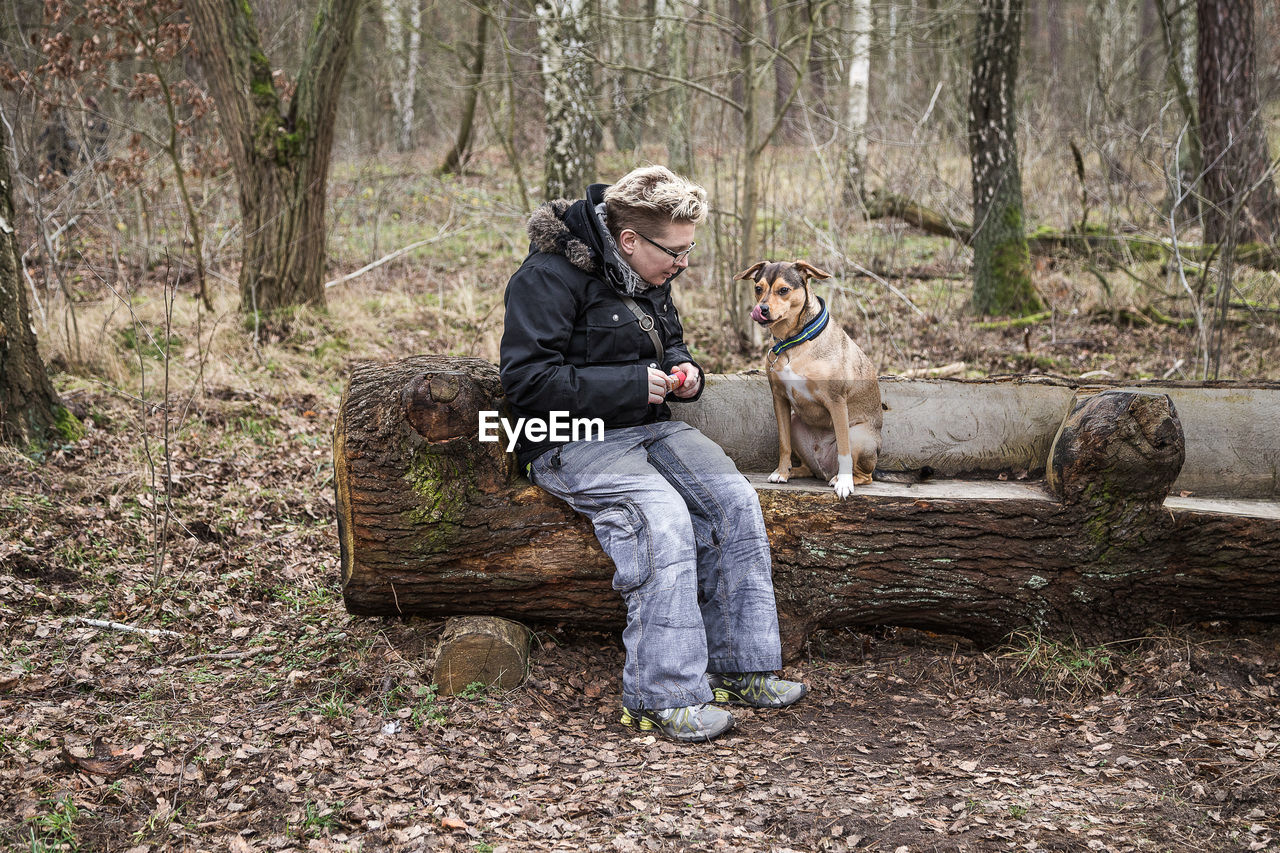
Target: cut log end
<point>483,650</point>
<point>1116,449</point>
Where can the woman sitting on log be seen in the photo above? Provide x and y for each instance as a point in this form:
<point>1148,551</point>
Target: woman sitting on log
<point>591,332</point>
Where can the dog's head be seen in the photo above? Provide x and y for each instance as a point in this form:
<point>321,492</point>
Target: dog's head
<point>782,291</point>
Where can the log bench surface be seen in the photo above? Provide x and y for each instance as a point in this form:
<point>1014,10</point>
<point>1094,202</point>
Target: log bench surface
<point>1089,534</point>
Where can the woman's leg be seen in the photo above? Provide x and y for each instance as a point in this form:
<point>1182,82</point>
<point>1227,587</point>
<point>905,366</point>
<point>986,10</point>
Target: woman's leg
<point>642,523</point>
<point>735,570</point>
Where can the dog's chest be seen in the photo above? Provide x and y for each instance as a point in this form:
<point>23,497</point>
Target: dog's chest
<point>796,387</point>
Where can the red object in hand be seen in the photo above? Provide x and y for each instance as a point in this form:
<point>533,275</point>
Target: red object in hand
<point>675,380</point>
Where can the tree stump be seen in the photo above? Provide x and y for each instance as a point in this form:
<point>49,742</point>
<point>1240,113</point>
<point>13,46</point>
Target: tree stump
<point>434,522</point>
<point>482,650</point>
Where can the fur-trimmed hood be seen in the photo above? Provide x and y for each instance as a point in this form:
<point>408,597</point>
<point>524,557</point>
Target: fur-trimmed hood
<point>577,231</point>
<point>550,233</point>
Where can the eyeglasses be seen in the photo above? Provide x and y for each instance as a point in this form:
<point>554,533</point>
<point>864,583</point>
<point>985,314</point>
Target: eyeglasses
<point>675,256</point>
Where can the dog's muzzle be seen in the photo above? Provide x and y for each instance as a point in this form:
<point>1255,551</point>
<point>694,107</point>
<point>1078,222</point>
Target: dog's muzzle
<point>760,314</point>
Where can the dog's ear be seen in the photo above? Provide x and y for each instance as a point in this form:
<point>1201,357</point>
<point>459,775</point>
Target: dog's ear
<point>810,271</point>
<point>750,274</point>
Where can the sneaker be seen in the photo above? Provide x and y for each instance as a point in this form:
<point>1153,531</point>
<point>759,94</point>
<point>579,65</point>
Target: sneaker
<point>757,689</point>
<point>692,723</point>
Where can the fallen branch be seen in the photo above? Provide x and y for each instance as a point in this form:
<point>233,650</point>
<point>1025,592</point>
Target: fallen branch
<point>391,257</point>
<point>1050,242</point>
<point>244,653</point>
<point>1014,322</point>
<point>884,205</point>
<point>955,368</point>
<point>127,629</point>
<point>831,247</point>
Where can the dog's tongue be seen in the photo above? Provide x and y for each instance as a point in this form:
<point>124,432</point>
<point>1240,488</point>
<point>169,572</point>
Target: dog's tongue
<point>756,315</point>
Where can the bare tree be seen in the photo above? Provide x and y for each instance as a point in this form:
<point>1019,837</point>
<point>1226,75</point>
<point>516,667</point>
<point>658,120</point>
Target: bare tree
<point>280,146</point>
<point>403,19</point>
<point>853,184</point>
<point>29,407</point>
<point>456,159</point>
<point>573,135</point>
<point>1177,26</point>
<point>777,19</point>
<point>1239,192</point>
<point>1001,263</point>
<point>670,40</point>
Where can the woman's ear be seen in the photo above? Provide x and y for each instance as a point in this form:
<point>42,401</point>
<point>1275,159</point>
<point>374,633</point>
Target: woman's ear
<point>627,242</point>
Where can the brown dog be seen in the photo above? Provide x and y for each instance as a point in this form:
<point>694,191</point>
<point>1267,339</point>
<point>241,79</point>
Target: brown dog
<point>825,393</point>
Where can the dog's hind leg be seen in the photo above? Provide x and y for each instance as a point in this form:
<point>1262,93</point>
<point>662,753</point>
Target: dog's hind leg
<point>864,447</point>
<point>816,449</point>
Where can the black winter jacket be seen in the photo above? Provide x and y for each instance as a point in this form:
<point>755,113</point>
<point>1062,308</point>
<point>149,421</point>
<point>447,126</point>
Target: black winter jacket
<point>569,344</point>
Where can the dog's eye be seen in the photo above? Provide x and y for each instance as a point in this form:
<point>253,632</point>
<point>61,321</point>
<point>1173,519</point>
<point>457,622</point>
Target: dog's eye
<point>783,291</point>
<point>759,290</point>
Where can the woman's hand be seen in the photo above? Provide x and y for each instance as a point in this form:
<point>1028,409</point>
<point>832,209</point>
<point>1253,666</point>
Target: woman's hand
<point>692,378</point>
<point>657,386</point>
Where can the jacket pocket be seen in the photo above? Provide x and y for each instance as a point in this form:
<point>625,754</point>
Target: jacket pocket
<point>613,336</point>
<point>623,537</point>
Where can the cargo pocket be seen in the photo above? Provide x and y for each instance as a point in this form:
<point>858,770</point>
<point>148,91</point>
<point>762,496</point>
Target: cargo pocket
<point>624,538</point>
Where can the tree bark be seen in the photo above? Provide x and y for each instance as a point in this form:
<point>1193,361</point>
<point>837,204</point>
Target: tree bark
<point>1241,204</point>
<point>1001,264</point>
<point>280,152</point>
<point>434,522</point>
<point>573,134</point>
<point>1183,170</point>
<point>784,75</point>
<point>29,407</point>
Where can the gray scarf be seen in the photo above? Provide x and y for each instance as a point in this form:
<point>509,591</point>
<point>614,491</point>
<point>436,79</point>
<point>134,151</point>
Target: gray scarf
<point>632,283</point>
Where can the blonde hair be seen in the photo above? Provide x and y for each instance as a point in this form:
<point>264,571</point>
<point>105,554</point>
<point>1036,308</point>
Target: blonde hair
<point>651,198</point>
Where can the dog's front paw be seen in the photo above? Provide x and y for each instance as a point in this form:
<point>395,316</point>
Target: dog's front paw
<point>843,484</point>
<point>779,476</point>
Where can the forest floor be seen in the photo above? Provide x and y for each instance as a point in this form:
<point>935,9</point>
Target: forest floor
<point>259,715</point>
<point>178,671</point>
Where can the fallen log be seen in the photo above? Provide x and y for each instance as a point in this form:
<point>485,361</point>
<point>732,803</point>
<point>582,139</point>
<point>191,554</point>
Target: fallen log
<point>1093,245</point>
<point>1087,534</point>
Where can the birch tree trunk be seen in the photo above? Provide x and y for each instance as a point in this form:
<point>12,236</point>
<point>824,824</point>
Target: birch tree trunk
<point>853,184</point>
<point>280,152</point>
<point>403,20</point>
<point>29,407</point>
<point>1240,194</point>
<point>573,135</point>
<point>1001,263</point>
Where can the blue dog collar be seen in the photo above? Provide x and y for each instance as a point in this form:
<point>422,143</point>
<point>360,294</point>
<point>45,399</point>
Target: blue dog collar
<point>810,331</point>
